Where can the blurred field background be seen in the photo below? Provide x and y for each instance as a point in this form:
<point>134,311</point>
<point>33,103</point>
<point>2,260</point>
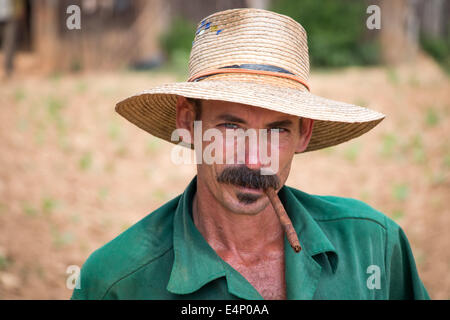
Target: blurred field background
<point>74,174</point>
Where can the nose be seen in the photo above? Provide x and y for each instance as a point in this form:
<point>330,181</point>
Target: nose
<point>252,154</point>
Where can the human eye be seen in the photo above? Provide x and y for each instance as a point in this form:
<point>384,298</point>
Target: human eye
<point>229,125</point>
<point>278,129</point>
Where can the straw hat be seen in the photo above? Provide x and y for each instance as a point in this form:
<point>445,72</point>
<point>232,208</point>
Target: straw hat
<point>254,57</point>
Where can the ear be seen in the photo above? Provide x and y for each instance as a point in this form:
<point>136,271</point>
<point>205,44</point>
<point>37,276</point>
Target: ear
<point>305,134</point>
<point>185,116</point>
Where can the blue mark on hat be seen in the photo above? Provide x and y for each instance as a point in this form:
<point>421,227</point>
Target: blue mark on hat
<point>205,26</point>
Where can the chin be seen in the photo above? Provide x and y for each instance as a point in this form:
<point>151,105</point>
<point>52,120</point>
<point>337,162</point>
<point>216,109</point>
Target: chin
<point>246,203</point>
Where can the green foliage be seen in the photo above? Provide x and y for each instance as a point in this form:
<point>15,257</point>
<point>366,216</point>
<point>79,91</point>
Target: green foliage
<point>159,195</point>
<point>29,210</point>
<point>153,146</point>
<point>397,214</point>
<point>114,130</point>
<point>416,146</point>
<point>5,262</point>
<point>85,161</point>
<point>103,193</point>
<point>431,117</point>
<point>352,151</point>
<point>438,48</point>
<point>388,145</point>
<point>336,31</point>
<point>176,42</point>
<point>392,75</point>
<point>19,94</point>
<point>447,160</point>
<point>61,239</point>
<point>81,86</point>
<point>54,110</point>
<point>49,205</point>
<point>365,195</point>
<point>328,150</point>
<point>400,192</point>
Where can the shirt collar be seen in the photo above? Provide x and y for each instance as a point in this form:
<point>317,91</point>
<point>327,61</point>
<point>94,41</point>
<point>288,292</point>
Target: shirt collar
<point>311,236</point>
<point>303,269</point>
<point>196,263</point>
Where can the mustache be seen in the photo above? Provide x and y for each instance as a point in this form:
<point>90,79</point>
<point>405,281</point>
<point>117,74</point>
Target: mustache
<point>248,178</point>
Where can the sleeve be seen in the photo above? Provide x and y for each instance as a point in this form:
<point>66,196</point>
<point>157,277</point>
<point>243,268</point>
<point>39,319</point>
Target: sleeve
<point>402,277</point>
<point>92,284</point>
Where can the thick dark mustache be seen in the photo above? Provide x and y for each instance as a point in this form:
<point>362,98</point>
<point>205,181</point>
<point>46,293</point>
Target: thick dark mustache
<point>248,178</point>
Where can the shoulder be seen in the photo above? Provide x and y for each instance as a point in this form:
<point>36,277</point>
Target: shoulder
<point>340,209</point>
<point>141,244</point>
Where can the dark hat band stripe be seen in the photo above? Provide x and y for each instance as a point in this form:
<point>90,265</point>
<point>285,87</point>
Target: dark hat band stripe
<point>259,69</point>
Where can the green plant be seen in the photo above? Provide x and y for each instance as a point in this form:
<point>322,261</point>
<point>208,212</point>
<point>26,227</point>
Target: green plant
<point>388,145</point>
<point>397,214</point>
<point>49,205</point>
<point>61,239</point>
<point>328,150</point>
<point>431,117</point>
<point>125,226</point>
<point>418,151</point>
<point>400,192</point>
<point>103,193</point>
<point>438,48</point>
<point>5,262</point>
<point>54,108</point>
<point>392,75</point>
<point>365,195</point>
<point>352,151</point>
<point>361,102</point>
<point>81,86</point>
<point>19,94</point>
<point>176,42</point>
<point>29,210</point>
<point>114,131</point>
<point>153,145</point>
<point>55,77</point>
<point>160,195</point>
<point>85,161</point>
<point>337,33</point>
<point>447,160</point>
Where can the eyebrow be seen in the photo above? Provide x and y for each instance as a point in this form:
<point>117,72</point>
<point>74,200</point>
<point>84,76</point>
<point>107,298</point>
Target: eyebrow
<point>281,123</point>
<point>232,118</point>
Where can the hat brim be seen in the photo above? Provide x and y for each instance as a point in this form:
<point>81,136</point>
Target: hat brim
<point>335,122</point>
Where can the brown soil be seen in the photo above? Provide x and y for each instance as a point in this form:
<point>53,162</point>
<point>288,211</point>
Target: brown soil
<point>74,174</point>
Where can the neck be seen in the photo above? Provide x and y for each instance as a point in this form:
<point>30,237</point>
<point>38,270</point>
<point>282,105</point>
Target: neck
<point>234,234</point>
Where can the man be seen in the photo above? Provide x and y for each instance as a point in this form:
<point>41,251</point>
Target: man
<point>222,238</point>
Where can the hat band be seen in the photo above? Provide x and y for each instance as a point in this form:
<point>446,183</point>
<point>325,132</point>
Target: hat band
<point>259,69</point>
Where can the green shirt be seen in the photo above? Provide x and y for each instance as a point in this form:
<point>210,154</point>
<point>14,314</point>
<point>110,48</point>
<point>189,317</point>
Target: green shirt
<point>349,251</point>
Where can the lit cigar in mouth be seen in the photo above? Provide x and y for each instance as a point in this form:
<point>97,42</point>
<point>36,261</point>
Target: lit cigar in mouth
<point>284,219</point>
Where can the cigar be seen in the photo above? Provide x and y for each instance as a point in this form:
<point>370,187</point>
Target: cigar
<point>284,219</point>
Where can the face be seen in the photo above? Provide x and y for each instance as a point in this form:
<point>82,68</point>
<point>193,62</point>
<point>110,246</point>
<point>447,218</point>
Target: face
<point>238,187</point>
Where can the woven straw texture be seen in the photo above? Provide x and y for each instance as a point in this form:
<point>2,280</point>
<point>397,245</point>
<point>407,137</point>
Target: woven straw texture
<point>251,36</point>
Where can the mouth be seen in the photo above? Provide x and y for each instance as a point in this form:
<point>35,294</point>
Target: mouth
<point>249,190</point>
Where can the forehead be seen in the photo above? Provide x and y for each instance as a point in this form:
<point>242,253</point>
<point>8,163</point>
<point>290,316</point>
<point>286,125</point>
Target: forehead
<point>214,108</point>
